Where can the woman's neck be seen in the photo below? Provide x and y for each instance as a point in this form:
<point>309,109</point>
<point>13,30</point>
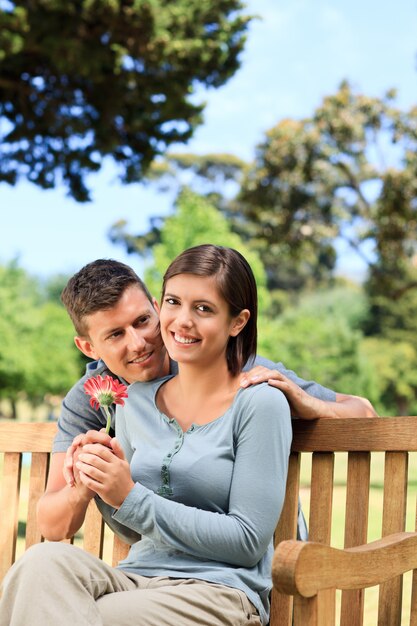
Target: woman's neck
<point>205,380</point>
<point>198,395</point>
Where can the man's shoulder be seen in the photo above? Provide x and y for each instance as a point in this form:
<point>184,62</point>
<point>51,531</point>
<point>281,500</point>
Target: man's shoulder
<point>93,368</point>
<point>261,360</point>
<point>77,415</point>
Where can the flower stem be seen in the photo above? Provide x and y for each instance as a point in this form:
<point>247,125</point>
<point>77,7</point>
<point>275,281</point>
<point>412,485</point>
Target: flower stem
<point>108,416</point>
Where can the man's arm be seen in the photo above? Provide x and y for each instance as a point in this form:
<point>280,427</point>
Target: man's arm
<point>61,509</point>
<point>305,405</point>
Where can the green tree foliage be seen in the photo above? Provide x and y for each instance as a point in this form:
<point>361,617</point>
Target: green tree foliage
<point>37,353</point>
<point>89,79</point>
<point>195,222</point>
<point>348,172</point>
<point>320,339</point>
<point>395,375</point>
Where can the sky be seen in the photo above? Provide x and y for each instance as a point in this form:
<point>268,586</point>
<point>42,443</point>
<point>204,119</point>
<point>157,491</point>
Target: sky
<point>297,52</point>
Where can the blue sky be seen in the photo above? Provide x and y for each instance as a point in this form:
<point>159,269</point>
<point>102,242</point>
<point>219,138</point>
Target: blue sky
<point>298,52</point>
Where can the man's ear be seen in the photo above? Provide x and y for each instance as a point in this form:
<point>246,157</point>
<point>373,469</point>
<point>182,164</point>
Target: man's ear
<point>156,305</point>
<point>86,347</point>
<point>239,322</point>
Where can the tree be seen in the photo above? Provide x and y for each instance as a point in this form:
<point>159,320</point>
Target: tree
<point>37,353</point>
<point>89,79</point>
<point>320,339</point>
<point>394,364</point>
<point>194,222</point>
<point>348,173</point>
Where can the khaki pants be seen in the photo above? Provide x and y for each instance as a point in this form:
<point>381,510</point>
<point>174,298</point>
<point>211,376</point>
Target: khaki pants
<point>57,584</point>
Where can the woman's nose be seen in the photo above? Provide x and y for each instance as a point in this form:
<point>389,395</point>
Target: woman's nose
<point>184,318</point>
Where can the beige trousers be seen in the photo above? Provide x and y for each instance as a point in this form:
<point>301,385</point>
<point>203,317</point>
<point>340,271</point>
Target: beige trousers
<point>57,584</point>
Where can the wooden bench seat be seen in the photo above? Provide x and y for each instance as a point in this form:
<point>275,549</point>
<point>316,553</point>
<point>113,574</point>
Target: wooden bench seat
<point>305,575</point>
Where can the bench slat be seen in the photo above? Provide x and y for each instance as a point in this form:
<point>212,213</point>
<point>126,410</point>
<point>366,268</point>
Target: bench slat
<point>93,530</point>
<point>413,606</point>
<point>393,520</point>
<point>282,605</point>
<point>9,504</point>
<point>320,524</point>
<point>120,550</point>
<point>356,529</point>
<point>37,483</point>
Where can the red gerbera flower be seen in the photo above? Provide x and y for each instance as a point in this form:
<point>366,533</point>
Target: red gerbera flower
<point>104,392</point>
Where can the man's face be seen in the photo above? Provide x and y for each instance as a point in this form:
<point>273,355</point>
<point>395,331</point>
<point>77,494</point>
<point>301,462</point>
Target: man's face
<point>127,338</point>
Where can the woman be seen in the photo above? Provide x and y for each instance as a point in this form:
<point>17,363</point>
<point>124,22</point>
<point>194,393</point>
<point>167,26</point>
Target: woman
<point>198,467</point>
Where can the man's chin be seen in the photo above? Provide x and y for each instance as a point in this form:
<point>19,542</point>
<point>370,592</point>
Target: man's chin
<point>140,374</point>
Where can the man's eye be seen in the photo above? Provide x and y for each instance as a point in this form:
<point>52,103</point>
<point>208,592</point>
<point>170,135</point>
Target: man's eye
<point>143,320</point>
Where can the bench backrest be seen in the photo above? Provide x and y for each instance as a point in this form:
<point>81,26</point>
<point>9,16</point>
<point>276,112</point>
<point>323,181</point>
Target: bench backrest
<point>359,438</point>
<point>18,498</point>
<point>362,439</point>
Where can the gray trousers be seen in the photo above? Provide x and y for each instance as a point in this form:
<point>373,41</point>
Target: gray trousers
<point>59,584</point>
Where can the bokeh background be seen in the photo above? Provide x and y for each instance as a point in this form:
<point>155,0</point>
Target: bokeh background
<point>304,158</point>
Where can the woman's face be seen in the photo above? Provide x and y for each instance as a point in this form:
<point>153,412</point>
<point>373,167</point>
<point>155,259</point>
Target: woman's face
<point>195,320</point>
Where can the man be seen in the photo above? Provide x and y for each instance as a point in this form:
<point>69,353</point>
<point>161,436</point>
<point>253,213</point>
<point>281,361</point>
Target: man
<point>117,325</point>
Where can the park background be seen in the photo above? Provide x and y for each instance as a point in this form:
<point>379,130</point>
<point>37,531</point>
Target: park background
<point>304,160</point>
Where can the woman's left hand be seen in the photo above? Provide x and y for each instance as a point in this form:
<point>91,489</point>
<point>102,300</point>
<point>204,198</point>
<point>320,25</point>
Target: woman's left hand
<point>106,471</point>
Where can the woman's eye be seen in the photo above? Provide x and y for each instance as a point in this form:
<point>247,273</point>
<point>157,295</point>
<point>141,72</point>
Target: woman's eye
<point>204,308</point>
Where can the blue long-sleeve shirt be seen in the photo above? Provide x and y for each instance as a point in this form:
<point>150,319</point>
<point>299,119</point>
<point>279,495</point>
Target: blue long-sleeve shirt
<point>207,500</point>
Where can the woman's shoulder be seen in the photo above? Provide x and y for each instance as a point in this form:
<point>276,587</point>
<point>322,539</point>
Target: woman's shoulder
<point>148,388</point>
<point>262,392</point>
<point>262,409</point>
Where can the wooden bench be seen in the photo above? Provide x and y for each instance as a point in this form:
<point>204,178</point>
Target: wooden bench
<point>305,575</point>
<point>16,440</point>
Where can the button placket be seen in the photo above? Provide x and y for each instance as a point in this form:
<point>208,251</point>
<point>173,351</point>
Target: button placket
<point>165,488</point>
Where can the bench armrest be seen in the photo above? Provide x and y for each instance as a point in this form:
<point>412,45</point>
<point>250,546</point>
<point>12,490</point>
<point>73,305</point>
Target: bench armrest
<point>305,568</point>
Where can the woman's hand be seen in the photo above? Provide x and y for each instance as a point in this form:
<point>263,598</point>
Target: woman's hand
<point>92,436</point>
<point>105,471</point>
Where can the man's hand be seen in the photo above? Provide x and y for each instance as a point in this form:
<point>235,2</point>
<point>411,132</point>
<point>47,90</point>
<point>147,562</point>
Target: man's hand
<point>105,471</point>
<point>302,404</point>
<point>92,436</point>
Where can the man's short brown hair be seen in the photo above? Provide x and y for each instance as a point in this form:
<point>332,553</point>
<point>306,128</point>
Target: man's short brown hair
<point>98,286</point>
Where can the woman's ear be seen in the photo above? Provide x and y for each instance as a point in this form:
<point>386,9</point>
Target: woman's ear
<point>239,322</point>
<point>86,347</point>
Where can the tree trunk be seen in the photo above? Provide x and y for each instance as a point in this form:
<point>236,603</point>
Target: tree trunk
<point>13,407</point>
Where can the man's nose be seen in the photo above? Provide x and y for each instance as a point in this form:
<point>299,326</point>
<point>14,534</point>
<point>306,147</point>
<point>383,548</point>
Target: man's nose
<point>135,339</point>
